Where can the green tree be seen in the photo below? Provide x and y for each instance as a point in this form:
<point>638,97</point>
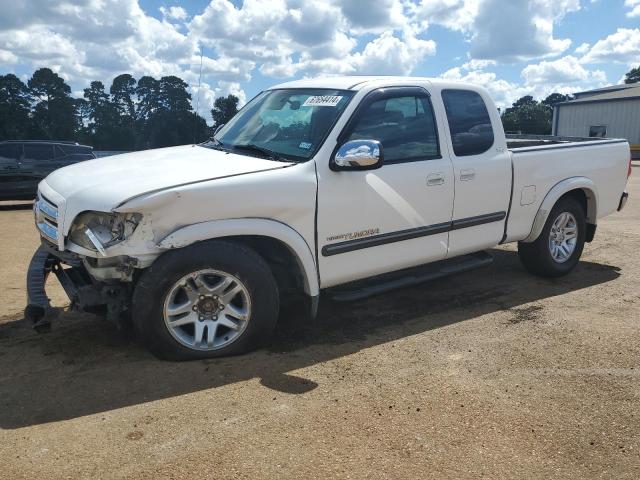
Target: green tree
<point>174,95</point>
<point>123,89</point>
<point>555,98</point>
<point>528,116</point>
<point>224,108</point>
<point>148,92</point>
<point>165,115</point>
<point>54,115</point>
<point>632,76</point>
<point>103,116</point>
<point>15,105</point>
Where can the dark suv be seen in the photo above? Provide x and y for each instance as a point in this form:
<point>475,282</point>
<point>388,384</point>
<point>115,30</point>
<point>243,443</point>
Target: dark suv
<point>24,163</point>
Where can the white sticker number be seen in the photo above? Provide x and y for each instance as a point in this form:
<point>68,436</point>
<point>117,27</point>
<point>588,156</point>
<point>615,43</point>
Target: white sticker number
<point>322,101</point>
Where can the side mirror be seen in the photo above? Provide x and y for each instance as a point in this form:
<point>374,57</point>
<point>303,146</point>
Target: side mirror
<point>358,155</point>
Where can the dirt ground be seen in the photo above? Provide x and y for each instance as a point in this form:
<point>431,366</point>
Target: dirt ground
<point>492,373</point>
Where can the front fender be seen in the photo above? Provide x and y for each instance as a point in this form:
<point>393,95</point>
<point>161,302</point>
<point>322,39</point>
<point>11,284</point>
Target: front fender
<point>255,227</point>
<point>558,190</point>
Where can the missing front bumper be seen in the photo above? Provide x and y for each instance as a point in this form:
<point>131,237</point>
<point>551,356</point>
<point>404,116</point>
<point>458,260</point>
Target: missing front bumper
<point>39,312</point>
<point>85,294</point>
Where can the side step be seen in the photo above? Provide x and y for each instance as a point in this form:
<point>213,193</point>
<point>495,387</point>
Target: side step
<point>406,278</point>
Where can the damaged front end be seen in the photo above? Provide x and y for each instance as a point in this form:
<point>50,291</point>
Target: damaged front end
<point>88,256</point>
<point>86,293</point>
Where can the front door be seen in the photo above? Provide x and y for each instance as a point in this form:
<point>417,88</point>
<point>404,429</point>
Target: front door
<point>397,216</point>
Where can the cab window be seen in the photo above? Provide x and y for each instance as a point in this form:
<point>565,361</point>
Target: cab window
<point>469,122</point>
<point>404,125</point>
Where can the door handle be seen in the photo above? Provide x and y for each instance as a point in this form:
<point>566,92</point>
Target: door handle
<point>467,174</point>
<point>435,179</point>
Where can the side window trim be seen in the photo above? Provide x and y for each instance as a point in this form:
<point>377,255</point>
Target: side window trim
<point>387,93</point>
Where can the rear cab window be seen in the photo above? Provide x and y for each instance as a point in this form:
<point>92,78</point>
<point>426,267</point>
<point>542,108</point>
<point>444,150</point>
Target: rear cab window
<point>469,122</point>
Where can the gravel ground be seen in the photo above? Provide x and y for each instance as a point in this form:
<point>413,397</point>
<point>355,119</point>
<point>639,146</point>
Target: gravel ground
<point>492,373</point>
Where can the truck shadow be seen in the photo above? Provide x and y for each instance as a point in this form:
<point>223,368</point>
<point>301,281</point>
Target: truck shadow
<point>84,366</point>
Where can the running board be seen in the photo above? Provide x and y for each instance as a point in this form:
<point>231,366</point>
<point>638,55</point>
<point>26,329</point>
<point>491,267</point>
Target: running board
<point>406,278</point>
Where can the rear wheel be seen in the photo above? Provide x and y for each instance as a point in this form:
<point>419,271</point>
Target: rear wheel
<point>211,299</point>
<point>558,248</point>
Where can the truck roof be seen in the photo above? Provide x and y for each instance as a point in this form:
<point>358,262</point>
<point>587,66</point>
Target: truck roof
<point>358,82</point>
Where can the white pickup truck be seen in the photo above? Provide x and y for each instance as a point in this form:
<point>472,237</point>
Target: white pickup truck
<point>347,185</point>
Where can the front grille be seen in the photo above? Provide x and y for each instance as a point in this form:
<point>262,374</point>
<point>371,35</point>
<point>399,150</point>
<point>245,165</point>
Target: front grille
<point>46,213</point>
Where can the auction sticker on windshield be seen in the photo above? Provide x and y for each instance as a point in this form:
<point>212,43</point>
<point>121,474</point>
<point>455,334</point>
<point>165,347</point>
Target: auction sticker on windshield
<point>322,101</point>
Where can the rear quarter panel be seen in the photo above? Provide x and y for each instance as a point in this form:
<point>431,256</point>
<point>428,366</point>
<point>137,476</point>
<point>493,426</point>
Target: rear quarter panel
<point>537,170</point>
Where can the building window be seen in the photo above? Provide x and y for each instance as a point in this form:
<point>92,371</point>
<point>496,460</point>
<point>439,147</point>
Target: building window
<point>599,131</point>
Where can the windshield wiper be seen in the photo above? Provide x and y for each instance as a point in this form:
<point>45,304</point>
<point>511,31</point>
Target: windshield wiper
<point>216,144</point>
<point>270,154</point>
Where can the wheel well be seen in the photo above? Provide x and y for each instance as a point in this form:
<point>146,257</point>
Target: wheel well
<point>283,262</point>
<point>587,199</point>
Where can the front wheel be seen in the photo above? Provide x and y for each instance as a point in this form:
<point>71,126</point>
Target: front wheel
<point>558,248</point>
<point>211,299</point>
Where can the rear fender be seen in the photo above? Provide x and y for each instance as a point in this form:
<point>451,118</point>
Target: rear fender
<point>574,183</point>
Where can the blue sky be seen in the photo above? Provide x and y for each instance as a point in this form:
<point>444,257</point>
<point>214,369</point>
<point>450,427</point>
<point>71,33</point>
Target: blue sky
<point>513,47</point>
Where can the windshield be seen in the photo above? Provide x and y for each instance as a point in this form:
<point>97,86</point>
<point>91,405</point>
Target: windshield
<point>288,124</point>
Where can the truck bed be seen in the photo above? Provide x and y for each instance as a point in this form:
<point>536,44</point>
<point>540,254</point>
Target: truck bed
<point>516,142</point>
<point>539,162</point>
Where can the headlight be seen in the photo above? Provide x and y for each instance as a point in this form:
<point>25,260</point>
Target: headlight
<point>99,230</point>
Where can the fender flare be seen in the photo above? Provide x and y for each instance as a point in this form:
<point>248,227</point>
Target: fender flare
<point>260,227</point>
<point>558,190</point>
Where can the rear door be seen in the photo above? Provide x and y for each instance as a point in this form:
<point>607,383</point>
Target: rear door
<point>482,169</point>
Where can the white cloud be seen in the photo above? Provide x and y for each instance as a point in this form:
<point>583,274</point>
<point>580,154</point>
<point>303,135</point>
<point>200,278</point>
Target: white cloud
<point>582,49</point>
<point>375,16</point>
<point>174,13</point>
<point>634,5</point>
<point>520,29</point>
<point>453,14</point>
<point>503,93</point>
<point>565,75</point>
<point>296,37</point>
<point>623,46</point>
<point>85,40</point>
<point>386,54</point>
<point>565,70</point>
<point>8,57</point>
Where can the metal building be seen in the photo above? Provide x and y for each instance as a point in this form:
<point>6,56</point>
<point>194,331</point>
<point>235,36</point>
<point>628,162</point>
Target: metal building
<point>605,112</point>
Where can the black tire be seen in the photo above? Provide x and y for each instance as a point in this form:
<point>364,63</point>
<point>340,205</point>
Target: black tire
<point>536,256</point>
<point>238,260</point>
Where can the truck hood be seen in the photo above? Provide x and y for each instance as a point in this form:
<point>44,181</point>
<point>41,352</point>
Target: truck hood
<point>104,183</point>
